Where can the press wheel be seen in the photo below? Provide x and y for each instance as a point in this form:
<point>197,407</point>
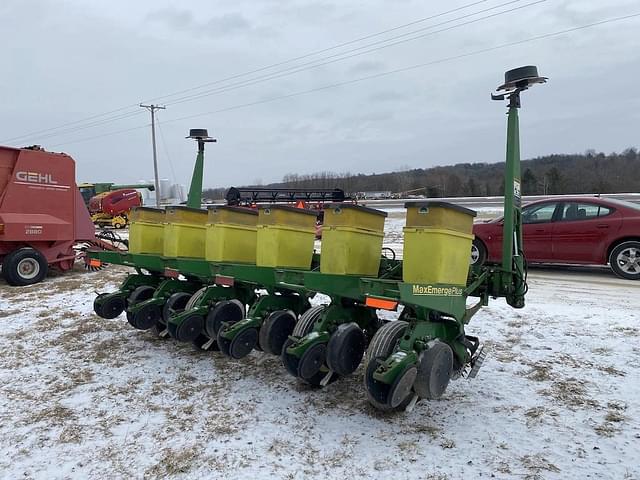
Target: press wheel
<point>275,330</point>
<point>146,317</point>
<point>345,349</point>
<point>435,367</point>
<point>190,328</point>
<point>139,294</point>
<point>243,343</point>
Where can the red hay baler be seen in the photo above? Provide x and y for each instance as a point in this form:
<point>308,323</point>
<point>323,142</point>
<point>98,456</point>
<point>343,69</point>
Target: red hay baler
<point>42,214</point>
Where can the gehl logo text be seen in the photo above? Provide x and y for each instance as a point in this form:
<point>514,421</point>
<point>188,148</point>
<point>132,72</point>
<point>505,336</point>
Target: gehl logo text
<point>36,177</point>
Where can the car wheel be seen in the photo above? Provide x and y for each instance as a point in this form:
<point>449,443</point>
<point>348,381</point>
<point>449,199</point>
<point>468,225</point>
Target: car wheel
<point>625,260</point>
<point>478,253</point>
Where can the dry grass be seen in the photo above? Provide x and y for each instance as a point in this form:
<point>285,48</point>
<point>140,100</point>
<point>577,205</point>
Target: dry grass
<point>536,464</point>
<point>10,312</point>
<point>174,462</point>
<point>571,393</point>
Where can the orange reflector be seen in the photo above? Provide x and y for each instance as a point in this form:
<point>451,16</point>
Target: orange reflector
<point>171,273</point>
<point>94,262</point>
<point>381,303</point>
<point>223,280</point>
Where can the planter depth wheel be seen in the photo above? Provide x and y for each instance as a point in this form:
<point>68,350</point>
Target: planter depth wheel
<point>276,330</point>
<point>345,349</point>
<point>243,343</point>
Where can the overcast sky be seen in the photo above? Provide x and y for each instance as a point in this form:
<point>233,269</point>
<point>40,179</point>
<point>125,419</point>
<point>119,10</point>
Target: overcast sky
<point>65,61</point>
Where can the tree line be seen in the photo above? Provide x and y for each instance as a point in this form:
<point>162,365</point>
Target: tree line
<point>588,172</point>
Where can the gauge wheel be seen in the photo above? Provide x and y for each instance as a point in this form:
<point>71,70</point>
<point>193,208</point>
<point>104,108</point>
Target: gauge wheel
<point>194,298</point>
<point>303,326</point>
<point>381,347</point>
<point>625,260</point>
<point>225,311</point>
<point>478,253</point>
<point>175,304</point>
<point>139,294</point>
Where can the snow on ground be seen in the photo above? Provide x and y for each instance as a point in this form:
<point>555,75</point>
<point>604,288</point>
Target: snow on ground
<point>82,397</point>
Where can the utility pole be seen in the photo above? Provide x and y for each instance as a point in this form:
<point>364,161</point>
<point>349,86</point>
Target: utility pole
<point>152,108</point>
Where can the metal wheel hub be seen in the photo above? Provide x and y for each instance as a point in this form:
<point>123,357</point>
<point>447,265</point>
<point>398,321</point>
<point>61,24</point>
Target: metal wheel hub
<point>629,260</point>
<point>475,254</point>
<point>28,268</point>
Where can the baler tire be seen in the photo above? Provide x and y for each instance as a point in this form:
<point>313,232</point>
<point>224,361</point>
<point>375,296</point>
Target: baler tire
<point>380,348</point>
<point>11,267</point>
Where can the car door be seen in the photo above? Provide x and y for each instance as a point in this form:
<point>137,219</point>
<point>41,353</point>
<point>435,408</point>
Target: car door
<point>537,231</point>
<point>581,232</point>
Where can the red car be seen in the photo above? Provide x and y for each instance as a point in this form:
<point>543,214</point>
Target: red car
<point>571,230</point>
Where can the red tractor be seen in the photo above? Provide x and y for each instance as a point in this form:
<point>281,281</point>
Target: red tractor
<point>42,214</point>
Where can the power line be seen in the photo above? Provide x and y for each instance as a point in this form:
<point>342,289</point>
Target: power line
<point>166,151</point>
<point>327,49</point>
<point>90,125</point>
<point>408,68</point>
<point>257,70</point>
<point>377,75</point>
<point>311,65</point>
<point>331,58</point>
